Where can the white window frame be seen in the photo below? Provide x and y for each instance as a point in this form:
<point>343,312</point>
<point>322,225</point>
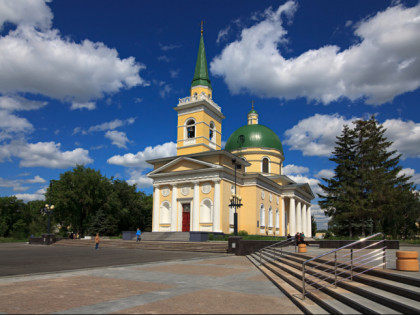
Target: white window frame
<point>262,216</point>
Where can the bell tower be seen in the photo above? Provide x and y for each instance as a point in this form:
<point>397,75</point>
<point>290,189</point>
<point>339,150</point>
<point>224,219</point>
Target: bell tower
<point>199,117</point>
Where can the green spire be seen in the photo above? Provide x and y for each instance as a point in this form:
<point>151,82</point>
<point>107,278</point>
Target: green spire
<point>201,74</point>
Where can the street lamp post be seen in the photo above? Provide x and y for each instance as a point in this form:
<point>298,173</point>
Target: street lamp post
<point>235,202</point>
<point>48,209</point>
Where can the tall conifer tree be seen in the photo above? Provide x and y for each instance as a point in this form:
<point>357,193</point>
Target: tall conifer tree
<point>338,200</point>
<point>367,187</point>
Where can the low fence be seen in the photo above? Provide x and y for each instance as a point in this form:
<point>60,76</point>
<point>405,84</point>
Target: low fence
<point>240,247</point>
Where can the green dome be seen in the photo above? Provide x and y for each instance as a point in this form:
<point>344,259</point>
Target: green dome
<point>253,136</point>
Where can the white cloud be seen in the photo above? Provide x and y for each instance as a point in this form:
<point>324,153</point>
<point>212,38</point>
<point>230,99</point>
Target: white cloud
<point>44,154</point>
<point>405,136</point>
<point>320,217</point>
<point>139,179</point>
<point>325,174</point>
<point>169,47</point>
<point>17,103</point>
<point>167,88</point>
<point>118,138</point>
<point>138,160</point>
<point>174,73</point>
<point>11,124</point>
<point>313,182</point>
<point>383,64</point>
<point>415,178</point>
<point>37,59</point>
<point>222,34</point>
<point>316,135</point>
<point>35,13</point>
<point>164,58</point>
<point>39,195</point>
<point>294,169</point>
<point>110,125</point>
<point>87,105</point>
<point>18,184</point>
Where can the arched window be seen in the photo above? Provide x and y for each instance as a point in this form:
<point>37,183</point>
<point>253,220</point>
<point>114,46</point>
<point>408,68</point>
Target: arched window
<point>270,217</point>
<point>277,219</point>
<point>165,213</point>
<point>265,162</point>
<point>211,132</point>
<point>190,129</point>
<point>262,216</point>
<point>206,211</point>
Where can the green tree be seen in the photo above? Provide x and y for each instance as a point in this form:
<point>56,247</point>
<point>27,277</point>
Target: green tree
<point>368,190</point>
<point>338,200</point>
<point>104,224</point>
<point>37,222</point>
<point>83,196</point>
<point>11,210</point>
<point>77,196</point>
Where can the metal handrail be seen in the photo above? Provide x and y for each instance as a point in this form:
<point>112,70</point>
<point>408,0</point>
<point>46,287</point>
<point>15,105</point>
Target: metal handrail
<point>364,259</point>
<point>282,243</point>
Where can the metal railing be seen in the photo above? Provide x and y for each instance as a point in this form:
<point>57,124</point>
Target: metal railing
<point>281,244</point>
<point>338,266</point>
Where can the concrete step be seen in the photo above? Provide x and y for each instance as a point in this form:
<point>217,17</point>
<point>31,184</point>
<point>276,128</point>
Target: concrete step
<point>166,236</point>
<point>379,273</point>
<point>379,281</point>
<point>384,297</point>
<point>306,305</point>
<point>213,247</point>
<point>326,302</point>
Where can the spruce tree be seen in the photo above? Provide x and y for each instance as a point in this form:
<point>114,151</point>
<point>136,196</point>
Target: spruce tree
<point>367,190</point>
<point>338,200</point>
<point>382,190</point>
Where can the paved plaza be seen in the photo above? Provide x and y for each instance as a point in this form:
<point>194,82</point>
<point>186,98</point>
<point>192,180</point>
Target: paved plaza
<point>52,279</point>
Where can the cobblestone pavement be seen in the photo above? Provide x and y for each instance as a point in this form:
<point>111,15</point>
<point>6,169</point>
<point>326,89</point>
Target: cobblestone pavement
<point>154,282</point>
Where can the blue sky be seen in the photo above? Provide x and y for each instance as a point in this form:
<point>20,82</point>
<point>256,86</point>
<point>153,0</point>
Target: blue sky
<point>95,82</point>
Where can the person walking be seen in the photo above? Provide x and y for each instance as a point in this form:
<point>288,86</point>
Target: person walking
<point>97,241</point>
<point>138,233</point>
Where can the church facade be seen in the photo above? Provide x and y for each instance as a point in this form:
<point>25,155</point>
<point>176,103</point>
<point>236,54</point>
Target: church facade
<point>193,190</point>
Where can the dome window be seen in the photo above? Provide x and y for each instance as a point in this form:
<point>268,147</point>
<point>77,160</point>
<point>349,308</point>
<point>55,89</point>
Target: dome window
<point>265,165</point>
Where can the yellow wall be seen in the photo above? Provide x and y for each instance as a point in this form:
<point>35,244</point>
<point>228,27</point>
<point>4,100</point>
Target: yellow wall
<point>255,155</point>
<point>202,128</point>
<point>200,89</point>
<point>183,166</point>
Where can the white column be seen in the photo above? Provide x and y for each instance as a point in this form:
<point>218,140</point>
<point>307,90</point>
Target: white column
<point>196,207</point>
<point>216,210</point>
<point>156,209</point>
<point>174,209</point>
<point>304,223</point>
<point>309,225</point>
<point>299,217</point>
<point>292,217</point>
<point>283,218</point>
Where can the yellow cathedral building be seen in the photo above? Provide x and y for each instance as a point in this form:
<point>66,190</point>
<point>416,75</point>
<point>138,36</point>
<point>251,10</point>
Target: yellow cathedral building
<point>193,190</point>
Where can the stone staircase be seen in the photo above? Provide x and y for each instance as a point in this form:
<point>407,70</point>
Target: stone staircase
<point>166,236</point>
<point>376,291</point>
<point>211,247</point>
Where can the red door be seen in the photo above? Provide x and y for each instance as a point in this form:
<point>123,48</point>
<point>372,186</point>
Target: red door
<point>185,217</point>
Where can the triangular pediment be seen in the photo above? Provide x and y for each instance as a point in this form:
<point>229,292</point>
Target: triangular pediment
<point>183,164</point>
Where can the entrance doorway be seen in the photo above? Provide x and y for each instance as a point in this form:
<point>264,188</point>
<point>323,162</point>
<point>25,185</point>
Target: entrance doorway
<point>186,217</point>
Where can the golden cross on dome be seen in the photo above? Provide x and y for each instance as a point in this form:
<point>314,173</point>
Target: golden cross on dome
<point>252,102</point>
